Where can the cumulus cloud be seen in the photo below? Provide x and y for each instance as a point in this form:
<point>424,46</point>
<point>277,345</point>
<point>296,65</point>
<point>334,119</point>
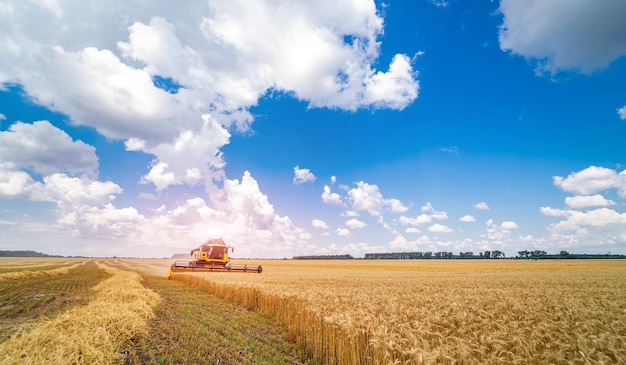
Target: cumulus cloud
<point>221,55</point>
<point>579,35</point>
<point>318,223</point>
<point>343,232</point>
<point>579,224</point>
<point>366,197</point>
<point>439,228</point>
<point>581,221</point>
<point>591,180</point>
<point>415,221</point>
<point>552,212</point>
<point>467,218</point>
<point>424,218</point>
<point>45,149</point>
<point>108,68</point>
<point>585,201</point>
<point>2,117</point>
<point>509,225</point>
<point>82,205</point>
<point>301,176</point>
<point>355,223</point>
<point>329,197</point>
<point>481,206</point>
<point>500,232</point>
<point>396,206</point>
<point>622,112</point>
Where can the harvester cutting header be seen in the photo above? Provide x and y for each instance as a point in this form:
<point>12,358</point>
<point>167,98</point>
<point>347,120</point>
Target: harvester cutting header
<point>211,256</point>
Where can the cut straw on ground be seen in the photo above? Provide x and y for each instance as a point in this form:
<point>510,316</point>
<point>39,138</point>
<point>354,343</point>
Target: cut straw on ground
<point>93,334</point>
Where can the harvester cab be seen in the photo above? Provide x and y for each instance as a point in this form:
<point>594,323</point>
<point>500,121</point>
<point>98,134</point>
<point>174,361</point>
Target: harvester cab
<point>211,256</point>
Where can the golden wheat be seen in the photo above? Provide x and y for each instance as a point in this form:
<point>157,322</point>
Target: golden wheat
<point>440,312</point>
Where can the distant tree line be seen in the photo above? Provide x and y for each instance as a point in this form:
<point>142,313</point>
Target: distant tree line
<point>495,254</point>
<point>323,257</point>
<point>538,254</point>
<point>27,253</point>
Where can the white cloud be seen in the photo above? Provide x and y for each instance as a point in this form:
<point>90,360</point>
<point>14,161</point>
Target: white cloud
<point>622,112</point>
<point>401,243</point>
<point>355,223</point>
<point>46,149</point>
<point>424,218</point>
<point>593,227</point>
<point>598,218</point>
<point>329,197</point>
<point>302,176</point>
<point>439,228</point>
<point>412,230</point>
<point>481,206</point>
<point>18,184</point>
<point>396,206</point>
<point>366,197</point>
<point>585,201</point>
<point>97,64</point>
<point>501,232</point>
<point>509,225</point>
<point>591,180</point>
<point>202,160</point>
<point>318,223</point>
<point>415,221</point>
<point>427,207</point>
<point>394,89</point>
<point>2,117</point>
<point>350,213</point>
<point>580,35</point>
<point>552,212</point>
<point>343,232</point>
<point>467,218</point>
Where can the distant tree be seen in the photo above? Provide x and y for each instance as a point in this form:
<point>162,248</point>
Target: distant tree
<point>523,254</point>
<point>564,253</point>
<point>496,254</point>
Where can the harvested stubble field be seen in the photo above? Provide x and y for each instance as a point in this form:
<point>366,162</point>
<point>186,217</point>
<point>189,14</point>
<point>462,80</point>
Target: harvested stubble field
<point>441,312</point>
<point>106,311</point>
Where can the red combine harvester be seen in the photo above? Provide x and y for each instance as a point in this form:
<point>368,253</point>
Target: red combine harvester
<point>211,256</point>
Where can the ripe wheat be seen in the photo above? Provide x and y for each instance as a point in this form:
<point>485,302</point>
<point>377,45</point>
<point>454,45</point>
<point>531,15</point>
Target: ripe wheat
<point>441,312</point>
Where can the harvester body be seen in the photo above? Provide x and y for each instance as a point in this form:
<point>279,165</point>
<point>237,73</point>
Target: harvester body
<point>211,256</point>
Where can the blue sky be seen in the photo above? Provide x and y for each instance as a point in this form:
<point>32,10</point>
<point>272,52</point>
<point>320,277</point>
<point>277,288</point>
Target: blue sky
<point>290,128</point>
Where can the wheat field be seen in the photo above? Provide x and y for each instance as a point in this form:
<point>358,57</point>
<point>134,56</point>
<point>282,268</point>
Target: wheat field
<point>337,312</point>
<point>441,311</point>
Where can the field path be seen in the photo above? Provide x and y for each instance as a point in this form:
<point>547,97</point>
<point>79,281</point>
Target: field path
<point>192,326</point>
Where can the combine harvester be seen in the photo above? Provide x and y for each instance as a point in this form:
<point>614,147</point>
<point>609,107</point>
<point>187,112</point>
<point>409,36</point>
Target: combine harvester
<point>211,256</point>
